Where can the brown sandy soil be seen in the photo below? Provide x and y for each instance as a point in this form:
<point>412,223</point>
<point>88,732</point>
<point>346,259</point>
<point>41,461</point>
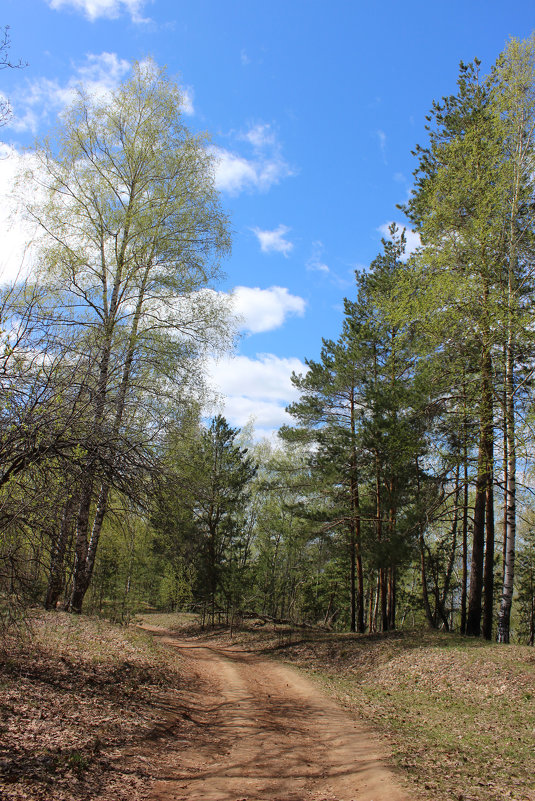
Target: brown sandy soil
<point>255,730</point>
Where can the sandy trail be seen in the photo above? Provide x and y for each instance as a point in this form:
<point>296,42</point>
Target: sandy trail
<point>263,732</point>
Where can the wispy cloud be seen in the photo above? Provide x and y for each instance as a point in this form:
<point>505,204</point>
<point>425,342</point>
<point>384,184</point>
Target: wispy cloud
<point>315,261</point>
<point>43,98</point>
<point>274,241</point>
<point>259,310</point>
<point>108,9</point>
<point>244,58</point>
<point>381,136</point>
<point>264,168</point>
<point>187,100</point>
<point>261,137</point>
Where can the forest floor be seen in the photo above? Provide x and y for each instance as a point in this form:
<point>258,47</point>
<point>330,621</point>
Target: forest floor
<point>95,712</point>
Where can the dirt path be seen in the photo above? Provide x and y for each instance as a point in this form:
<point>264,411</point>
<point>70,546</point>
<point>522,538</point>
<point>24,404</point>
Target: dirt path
<point>259,731</point>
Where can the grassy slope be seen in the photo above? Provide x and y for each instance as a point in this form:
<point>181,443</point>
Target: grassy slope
<point>458,713</point>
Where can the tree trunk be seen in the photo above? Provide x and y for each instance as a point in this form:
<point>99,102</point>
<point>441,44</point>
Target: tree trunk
<point>56,578</point>
<point>384,598</point>
<point>392,598</point>
<point>425,591</point>
<point>352,577</point>
<point>357,614</point>
<point>464,577</point>
<point>84,566</point>
<point>361,625</point>
<point>473,623</point>
<point>522,164</point>
<point>81,546</point>
<point>504,614</point>
<point>488,605</point>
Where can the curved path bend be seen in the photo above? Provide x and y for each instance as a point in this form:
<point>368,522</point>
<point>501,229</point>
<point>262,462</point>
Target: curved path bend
<point>263,732</point>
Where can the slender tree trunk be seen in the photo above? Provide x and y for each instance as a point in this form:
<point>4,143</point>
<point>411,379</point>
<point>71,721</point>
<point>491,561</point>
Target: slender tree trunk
<point>361,624</point>
<point>383,573</point>
<point>357,573</point>
<point>464,577</point>
<point>371,606</point>
<point>357,614</point>
<point>505,465</point>
<point>442,601</point>
<point>473,618</point>
<point>376,601</point>
<point>504,615</point>
<point>352,578</point>
<point>81,546</point>
<point>473,623</point>
<point>425,590</point>
<point>488,605</point>
<point>522,163</point>
<point>532,619</point>
<point>392,598</point>
<point>88,549</point>
<point>56,578</point>
<point>423,568</point>
<point>488,600</point>
<point>212,578</point>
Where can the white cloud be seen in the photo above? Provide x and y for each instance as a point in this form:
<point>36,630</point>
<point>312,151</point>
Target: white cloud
<point>257,389</point>
<point>267,377</point>
<point>413,239</point>
<point>245,60</point>
<point>17,232</point>
<point>315,262</point>
<point>103,70</point>
<point>235,173</point>
<point>274,240</point>
<point>109,9</point>
<point>260,310</point>
<point>44,98</point>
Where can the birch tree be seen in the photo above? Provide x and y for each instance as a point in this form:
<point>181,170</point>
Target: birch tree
<point>133,233</point>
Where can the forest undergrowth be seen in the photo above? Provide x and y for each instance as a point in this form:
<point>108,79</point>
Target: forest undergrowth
<point>457,713</point>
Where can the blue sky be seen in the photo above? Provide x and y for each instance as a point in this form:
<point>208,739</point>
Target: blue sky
<point>313,109</point>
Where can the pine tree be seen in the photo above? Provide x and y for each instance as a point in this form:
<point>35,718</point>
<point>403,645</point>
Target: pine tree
<point>361,406</point>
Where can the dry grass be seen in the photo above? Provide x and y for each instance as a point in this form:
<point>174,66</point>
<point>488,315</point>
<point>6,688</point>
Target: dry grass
<point>459,714</point>
<point>73,698</point>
